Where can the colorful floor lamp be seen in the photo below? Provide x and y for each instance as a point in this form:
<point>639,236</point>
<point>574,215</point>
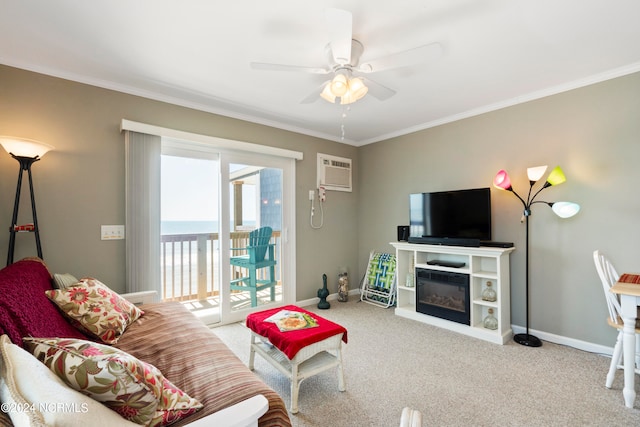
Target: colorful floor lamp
<point>562,209</point>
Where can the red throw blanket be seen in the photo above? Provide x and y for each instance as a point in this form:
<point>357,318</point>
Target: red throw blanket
<point>291,342</point>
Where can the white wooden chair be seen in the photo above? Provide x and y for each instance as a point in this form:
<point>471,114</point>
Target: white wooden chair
<point>411,418</point>
<point>608,277</point>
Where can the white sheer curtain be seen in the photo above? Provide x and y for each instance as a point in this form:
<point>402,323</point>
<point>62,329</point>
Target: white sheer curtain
<point>142,168</point>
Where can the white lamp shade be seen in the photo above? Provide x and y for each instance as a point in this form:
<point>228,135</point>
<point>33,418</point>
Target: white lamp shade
<point>347,99</point>
<point>357,88</point>
<point>349,90</point>
<point>565,209</point>
<point>327,95</point>
<point>339,85</point>
<point>536,172</point>
<point>22,147</point>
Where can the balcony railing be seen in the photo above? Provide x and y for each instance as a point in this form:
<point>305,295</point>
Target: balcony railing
<point>189,263</point>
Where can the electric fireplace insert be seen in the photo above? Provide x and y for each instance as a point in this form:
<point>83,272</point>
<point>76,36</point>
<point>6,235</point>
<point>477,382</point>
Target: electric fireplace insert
<point>443,294</point>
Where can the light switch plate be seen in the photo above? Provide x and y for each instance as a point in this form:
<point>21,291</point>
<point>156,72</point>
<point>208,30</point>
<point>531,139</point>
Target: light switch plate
<point>112,232</point>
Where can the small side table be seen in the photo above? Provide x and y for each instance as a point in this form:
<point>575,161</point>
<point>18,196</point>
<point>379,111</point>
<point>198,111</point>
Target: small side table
<point>297,354</point>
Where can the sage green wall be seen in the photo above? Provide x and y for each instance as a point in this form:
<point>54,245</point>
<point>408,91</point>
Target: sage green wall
<point>593,133</point>
<point>80,185</point>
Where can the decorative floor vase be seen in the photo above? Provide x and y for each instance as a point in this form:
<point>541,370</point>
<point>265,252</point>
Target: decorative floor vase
<point>323,293</point>
<point>343,287</point>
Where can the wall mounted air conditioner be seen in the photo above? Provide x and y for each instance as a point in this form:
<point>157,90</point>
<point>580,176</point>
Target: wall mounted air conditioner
<point>334,173</point>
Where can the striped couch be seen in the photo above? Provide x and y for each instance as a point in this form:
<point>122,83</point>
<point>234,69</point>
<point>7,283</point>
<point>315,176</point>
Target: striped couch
<point>167,336</point>
<point>195,359</point>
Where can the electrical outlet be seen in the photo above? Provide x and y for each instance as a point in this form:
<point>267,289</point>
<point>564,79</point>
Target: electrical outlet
<point>112,232</point>
<point>311,195</point>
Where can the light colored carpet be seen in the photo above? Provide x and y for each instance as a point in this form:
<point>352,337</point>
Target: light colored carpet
<point>454,380</point>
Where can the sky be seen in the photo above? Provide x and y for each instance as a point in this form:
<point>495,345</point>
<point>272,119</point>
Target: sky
<point>189,190</point>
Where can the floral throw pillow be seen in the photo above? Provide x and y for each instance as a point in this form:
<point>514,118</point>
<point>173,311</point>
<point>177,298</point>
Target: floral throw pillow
<point>96,309</point>
<point>32,395</point>
<point>136,390</point>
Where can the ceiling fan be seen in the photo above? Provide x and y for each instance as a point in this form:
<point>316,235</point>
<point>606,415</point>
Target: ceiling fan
<point>343,61</point>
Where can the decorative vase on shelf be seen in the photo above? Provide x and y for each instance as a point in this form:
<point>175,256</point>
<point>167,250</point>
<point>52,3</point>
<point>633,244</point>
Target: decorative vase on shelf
<point>489,294</point>
<point>343,286</point>
<point>490,322</point>
<point>410,280</point>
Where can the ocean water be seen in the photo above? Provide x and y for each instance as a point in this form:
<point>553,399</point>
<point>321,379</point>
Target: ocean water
<point>179,261</point>
<point>193,227</point>
<point>188,227</point>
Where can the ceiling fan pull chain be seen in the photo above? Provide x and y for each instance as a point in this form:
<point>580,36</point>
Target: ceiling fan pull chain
<point>344,116</point>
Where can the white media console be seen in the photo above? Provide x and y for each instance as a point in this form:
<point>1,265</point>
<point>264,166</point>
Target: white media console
<point>482,264</point>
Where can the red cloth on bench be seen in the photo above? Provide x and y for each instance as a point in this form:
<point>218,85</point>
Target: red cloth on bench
<point>291,342</point>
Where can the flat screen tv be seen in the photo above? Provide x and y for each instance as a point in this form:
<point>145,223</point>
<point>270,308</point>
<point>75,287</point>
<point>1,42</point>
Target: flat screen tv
<point>446,216</point>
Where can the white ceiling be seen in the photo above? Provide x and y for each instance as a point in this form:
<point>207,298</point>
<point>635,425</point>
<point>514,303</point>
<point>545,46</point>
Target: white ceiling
<point>196,53</point>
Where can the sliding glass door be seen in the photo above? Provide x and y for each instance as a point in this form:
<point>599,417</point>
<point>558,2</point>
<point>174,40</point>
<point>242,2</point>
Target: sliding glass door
<point>258,197</point>
<point>212,202</point>
<point>255,194</point>
<point>190,228</point>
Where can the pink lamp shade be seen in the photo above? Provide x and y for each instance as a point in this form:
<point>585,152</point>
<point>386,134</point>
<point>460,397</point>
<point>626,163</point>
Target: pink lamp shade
<point>502,180</point>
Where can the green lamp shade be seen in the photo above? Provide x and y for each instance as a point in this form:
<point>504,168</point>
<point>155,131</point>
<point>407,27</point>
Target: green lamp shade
<point>502,180</point>
<point>565,209</point>
<point>555,177</point>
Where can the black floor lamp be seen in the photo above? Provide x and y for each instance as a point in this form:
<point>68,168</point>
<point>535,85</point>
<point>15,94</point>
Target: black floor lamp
<point>26,152</point>
<point>562,209</point>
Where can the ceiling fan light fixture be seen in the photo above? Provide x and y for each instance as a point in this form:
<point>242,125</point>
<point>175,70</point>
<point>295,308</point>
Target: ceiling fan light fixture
<point>343,56</point>
<point>357,88</point>
<point>339,85</point>
<point>327,95</point>
<point>347,98</point>
<point>350,90</point>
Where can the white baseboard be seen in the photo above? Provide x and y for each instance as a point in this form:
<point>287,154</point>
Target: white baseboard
<point>570,342</point>
<point>353,293</point>
<point>545,336</point>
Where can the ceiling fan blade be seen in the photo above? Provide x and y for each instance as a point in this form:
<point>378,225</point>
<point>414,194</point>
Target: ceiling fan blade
<point>377,90</point>
<point>315,95</point>
<point>339,23</point>
<point>418,55</point>
<point>282,67</point>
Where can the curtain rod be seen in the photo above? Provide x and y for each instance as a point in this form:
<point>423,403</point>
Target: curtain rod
<point>222,143</point>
